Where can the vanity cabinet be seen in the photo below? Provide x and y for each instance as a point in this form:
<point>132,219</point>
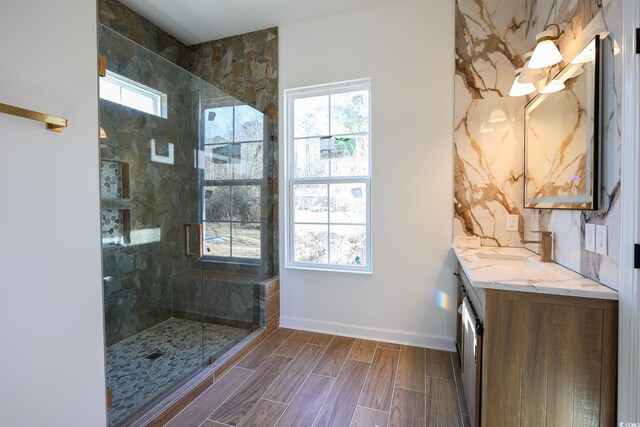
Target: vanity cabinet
<point>546,360</point>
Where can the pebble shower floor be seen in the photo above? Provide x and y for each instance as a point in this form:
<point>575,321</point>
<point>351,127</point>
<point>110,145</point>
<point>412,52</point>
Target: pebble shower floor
<point>145,365</point>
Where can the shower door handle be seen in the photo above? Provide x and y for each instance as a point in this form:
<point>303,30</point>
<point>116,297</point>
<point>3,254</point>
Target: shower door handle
<point>187,240</point>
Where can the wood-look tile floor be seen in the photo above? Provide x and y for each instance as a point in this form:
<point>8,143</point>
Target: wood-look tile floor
<point>298,378</point>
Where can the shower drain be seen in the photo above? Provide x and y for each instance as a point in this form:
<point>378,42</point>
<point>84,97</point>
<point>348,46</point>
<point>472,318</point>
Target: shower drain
<point>154,356</point>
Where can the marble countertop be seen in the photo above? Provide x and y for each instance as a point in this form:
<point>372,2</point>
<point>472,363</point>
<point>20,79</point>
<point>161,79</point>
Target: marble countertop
<point>522,271</point>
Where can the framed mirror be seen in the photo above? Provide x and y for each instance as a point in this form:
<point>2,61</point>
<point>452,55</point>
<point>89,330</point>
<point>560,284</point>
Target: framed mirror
<point>562,132</point>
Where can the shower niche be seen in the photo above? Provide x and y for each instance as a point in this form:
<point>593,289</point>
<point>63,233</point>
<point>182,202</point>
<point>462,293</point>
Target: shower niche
<point>115,194</point>
<point>114,180</point>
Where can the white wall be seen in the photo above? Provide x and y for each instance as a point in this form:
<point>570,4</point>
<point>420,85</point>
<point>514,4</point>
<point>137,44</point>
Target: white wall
<point>407,48</point>
<point>51,320</point>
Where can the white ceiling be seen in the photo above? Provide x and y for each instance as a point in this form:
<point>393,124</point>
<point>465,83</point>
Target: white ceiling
<point>197,21</point>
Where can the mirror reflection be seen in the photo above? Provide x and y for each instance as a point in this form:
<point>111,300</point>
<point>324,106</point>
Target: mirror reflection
<point>561,136</point>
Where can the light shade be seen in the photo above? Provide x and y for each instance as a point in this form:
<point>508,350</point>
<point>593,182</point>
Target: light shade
<point>531,75</point>
<point>521,89</point>
<point>546,52</point>
<point>103,134</point>
<point>553,86</point>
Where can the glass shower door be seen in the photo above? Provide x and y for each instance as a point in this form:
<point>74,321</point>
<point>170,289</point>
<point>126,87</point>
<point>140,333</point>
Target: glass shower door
<point>149,114</point>
<point>184,214</point>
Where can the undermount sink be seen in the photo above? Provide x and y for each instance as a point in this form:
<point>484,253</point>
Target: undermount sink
<point>517,261</point>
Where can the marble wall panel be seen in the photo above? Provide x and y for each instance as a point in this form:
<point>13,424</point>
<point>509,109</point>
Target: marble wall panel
<point>581,20</point>
<point>491,39</point>
<point>488,148</point>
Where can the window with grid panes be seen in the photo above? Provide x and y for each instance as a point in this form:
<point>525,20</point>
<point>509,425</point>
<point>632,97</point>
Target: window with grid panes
<point>328,137</point>
<point>234,183</point>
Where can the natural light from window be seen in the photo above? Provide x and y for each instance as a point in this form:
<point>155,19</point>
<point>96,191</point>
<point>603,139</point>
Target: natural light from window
<point>126,92</point>
<point>329,177</point>
<point>233,181</point>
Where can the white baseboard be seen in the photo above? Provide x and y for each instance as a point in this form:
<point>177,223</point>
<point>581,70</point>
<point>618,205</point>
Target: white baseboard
<point>374,334</point>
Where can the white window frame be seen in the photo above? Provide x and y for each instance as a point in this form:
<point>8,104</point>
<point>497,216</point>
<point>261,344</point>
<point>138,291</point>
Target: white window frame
<point>239,182</point>
<point>290,95</point>
<point>158,98</point>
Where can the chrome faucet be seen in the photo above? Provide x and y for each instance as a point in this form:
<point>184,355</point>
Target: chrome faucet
<point>546,245</point>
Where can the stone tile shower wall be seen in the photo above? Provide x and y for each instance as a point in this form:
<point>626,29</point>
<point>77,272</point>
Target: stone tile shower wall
<point>138,275</point>
<point>488,166</point>
<point>491,39</point>
<point>581,20</point>
<point>246,67</point>
<point>118,17</point>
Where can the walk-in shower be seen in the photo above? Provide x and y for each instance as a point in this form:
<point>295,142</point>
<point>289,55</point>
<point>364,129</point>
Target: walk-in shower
<point>182,183</point>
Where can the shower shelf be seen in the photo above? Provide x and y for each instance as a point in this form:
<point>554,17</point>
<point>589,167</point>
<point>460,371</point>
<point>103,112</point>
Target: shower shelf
<point>116,212</point>
<point>114,180</point>
<point>116,227</point>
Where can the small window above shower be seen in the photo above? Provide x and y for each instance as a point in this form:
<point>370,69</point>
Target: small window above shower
<point>124,91</point>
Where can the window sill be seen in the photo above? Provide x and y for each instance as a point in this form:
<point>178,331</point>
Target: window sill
<point>367,272</point>
<point>234,261</point>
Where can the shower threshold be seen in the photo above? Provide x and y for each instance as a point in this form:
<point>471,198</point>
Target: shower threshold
<point>147,365</point>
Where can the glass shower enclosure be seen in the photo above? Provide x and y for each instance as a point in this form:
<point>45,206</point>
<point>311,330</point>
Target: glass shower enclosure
<point>165,318</point>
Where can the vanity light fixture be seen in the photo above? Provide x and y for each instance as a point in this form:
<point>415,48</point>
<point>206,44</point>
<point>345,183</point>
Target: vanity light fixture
<point>521,89</point>
<point>553,86</point>
<point>531,75</point>
<point>546,52</point>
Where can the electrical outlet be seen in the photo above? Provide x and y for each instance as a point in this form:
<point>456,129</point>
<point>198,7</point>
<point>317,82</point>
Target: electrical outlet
<point>601,239</point>
<point>590,237</point>
<point>512,222</point>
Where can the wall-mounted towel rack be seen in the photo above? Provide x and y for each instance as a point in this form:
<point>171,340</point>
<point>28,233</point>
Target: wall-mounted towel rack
<point>54,123</point>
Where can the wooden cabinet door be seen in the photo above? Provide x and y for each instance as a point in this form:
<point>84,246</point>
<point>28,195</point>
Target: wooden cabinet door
<point>548,361</point>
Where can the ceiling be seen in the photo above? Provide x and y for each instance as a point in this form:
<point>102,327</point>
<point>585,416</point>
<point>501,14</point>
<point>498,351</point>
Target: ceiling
<point>197,21</point>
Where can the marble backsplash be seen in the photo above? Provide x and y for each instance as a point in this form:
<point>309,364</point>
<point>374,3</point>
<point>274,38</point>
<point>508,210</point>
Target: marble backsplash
<point>492,37</point>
